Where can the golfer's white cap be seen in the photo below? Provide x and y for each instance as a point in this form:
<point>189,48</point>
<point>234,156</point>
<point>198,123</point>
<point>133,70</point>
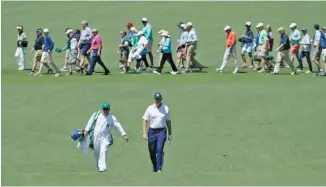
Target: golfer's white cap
<point>69,31</point>
<point>94,30</point>
<point>189,24</point>
<point>293,25</point>
<point>227,28</point>
<point>183,26</point>
<point>144,19</point>
<point>248,23</point>
<point>133,29</point>
<point>161,31</point>
<point>259,25</point>
<point>19,28</point>
<point>280,29</point>
<point>46,30</point>
<point>165,33</point>
<point>84,22</point>
<point>140,33</point>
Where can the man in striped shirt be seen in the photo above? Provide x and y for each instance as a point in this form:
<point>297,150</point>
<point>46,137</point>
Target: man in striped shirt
<point>85,42</point>
<point>96,48</point>
<point>230,51</point>
<point>148,33</point>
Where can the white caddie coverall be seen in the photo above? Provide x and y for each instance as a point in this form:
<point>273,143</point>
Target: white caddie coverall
<point>21,52</point>
<point>102,136</point>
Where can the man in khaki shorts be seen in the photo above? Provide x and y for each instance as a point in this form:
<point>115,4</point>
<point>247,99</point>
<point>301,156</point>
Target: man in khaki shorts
<point>262,48</point>
<point>283,53</point>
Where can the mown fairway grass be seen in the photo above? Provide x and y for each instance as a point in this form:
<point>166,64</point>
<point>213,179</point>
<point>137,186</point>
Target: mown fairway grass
<point>245,129</point>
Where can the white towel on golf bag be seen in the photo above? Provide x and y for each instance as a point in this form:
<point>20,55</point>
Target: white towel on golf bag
<point>84,145</point>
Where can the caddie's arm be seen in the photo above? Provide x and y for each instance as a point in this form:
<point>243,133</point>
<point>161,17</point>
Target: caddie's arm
<point>89,124</point>
<point>117,125</point>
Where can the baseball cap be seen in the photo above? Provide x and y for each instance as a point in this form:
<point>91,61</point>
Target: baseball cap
<point>227,28</point>
<point>69,31</point>
<point>84,22</point>
<point>129,24</point>
<point>165,33</point>
<point>39,30</point>
<point>157,95</point>
<point>293,25</point>
<point>260,25</point>
<point>183,26</point>
<point>280,29</point>
<point>304,29</point>
<point>161,31</point>
<point>180,23</point>
<point>189,24</point>
<point>105,106</point>
<point>248,23</point>
<point>144,19</point>
<point>94,30</point>
<point>46,30</point>
<point>19,27</point>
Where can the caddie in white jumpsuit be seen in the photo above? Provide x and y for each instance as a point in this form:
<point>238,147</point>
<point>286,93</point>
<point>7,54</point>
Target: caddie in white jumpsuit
<point>21,54</point>
<point>101,127</point>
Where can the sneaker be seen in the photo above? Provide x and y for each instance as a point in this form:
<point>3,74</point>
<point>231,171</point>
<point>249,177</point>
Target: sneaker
<point>299,70</point>
<point>261,71</point>
<point>37,74</point>
<point>138,70</point>
<point>235,71</point>
<point>63,69</point>
<point>307,72</point>
<point>293,73</point>
<point>57,75</point>
<point>275,73</point>
<point>156,72</point>
<point>21,68</point>
<point>219,70</point>
<point>174,72</point>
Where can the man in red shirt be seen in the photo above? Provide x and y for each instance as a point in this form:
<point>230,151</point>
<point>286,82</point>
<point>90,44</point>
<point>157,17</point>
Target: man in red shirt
<point>230,51</point>
<point>96,47</point>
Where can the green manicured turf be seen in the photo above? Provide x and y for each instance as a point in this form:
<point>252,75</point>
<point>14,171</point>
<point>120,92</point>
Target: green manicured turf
<point>245,129</point>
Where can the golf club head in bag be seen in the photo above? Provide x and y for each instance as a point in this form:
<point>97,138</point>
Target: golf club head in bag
<point>77,135</point>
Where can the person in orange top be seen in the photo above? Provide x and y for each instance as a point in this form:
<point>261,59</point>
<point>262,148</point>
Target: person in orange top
<point>230,51</point>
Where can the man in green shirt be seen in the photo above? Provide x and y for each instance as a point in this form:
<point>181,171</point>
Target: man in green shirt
<point>262,46</point>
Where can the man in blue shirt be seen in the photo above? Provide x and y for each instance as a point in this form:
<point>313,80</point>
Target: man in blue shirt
<point>148,32</point>
<point>166,55</point>
<point>323,52</point>
<point>47,54</point>
<point>248,45</point>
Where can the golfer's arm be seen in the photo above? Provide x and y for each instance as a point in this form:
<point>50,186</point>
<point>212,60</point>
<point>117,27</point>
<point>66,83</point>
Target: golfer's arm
<point>144,126</point>
<point>168,122</point>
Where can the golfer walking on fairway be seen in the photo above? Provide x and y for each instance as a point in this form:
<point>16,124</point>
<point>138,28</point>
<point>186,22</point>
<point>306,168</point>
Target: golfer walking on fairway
<point>157,116</point>
<point>100,124</point>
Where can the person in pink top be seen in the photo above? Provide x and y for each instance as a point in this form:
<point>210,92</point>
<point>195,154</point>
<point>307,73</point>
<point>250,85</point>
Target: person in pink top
<point>96,49</point>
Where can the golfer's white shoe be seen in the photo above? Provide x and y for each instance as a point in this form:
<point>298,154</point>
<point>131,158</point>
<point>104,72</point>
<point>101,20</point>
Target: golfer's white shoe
<point>308,72</point>
<point>174,72</point>
<point>293,73</point>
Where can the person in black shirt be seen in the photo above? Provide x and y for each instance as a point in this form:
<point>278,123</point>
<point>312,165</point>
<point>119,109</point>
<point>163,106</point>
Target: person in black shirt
<point>283,52</point>
<point>39,42</point>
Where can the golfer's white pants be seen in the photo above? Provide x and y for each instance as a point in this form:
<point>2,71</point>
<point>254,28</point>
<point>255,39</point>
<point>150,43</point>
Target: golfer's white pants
<point>101,152</point>
<point>21,57</point>
<point>230,52</point>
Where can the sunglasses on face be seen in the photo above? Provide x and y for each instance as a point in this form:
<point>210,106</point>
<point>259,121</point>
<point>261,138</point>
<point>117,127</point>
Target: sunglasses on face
<point>105,109</point>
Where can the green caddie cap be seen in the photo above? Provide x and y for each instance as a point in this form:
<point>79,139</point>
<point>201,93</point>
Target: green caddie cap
<point>180,23</point>
<point>105,106</point>
<point>58,50</point>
